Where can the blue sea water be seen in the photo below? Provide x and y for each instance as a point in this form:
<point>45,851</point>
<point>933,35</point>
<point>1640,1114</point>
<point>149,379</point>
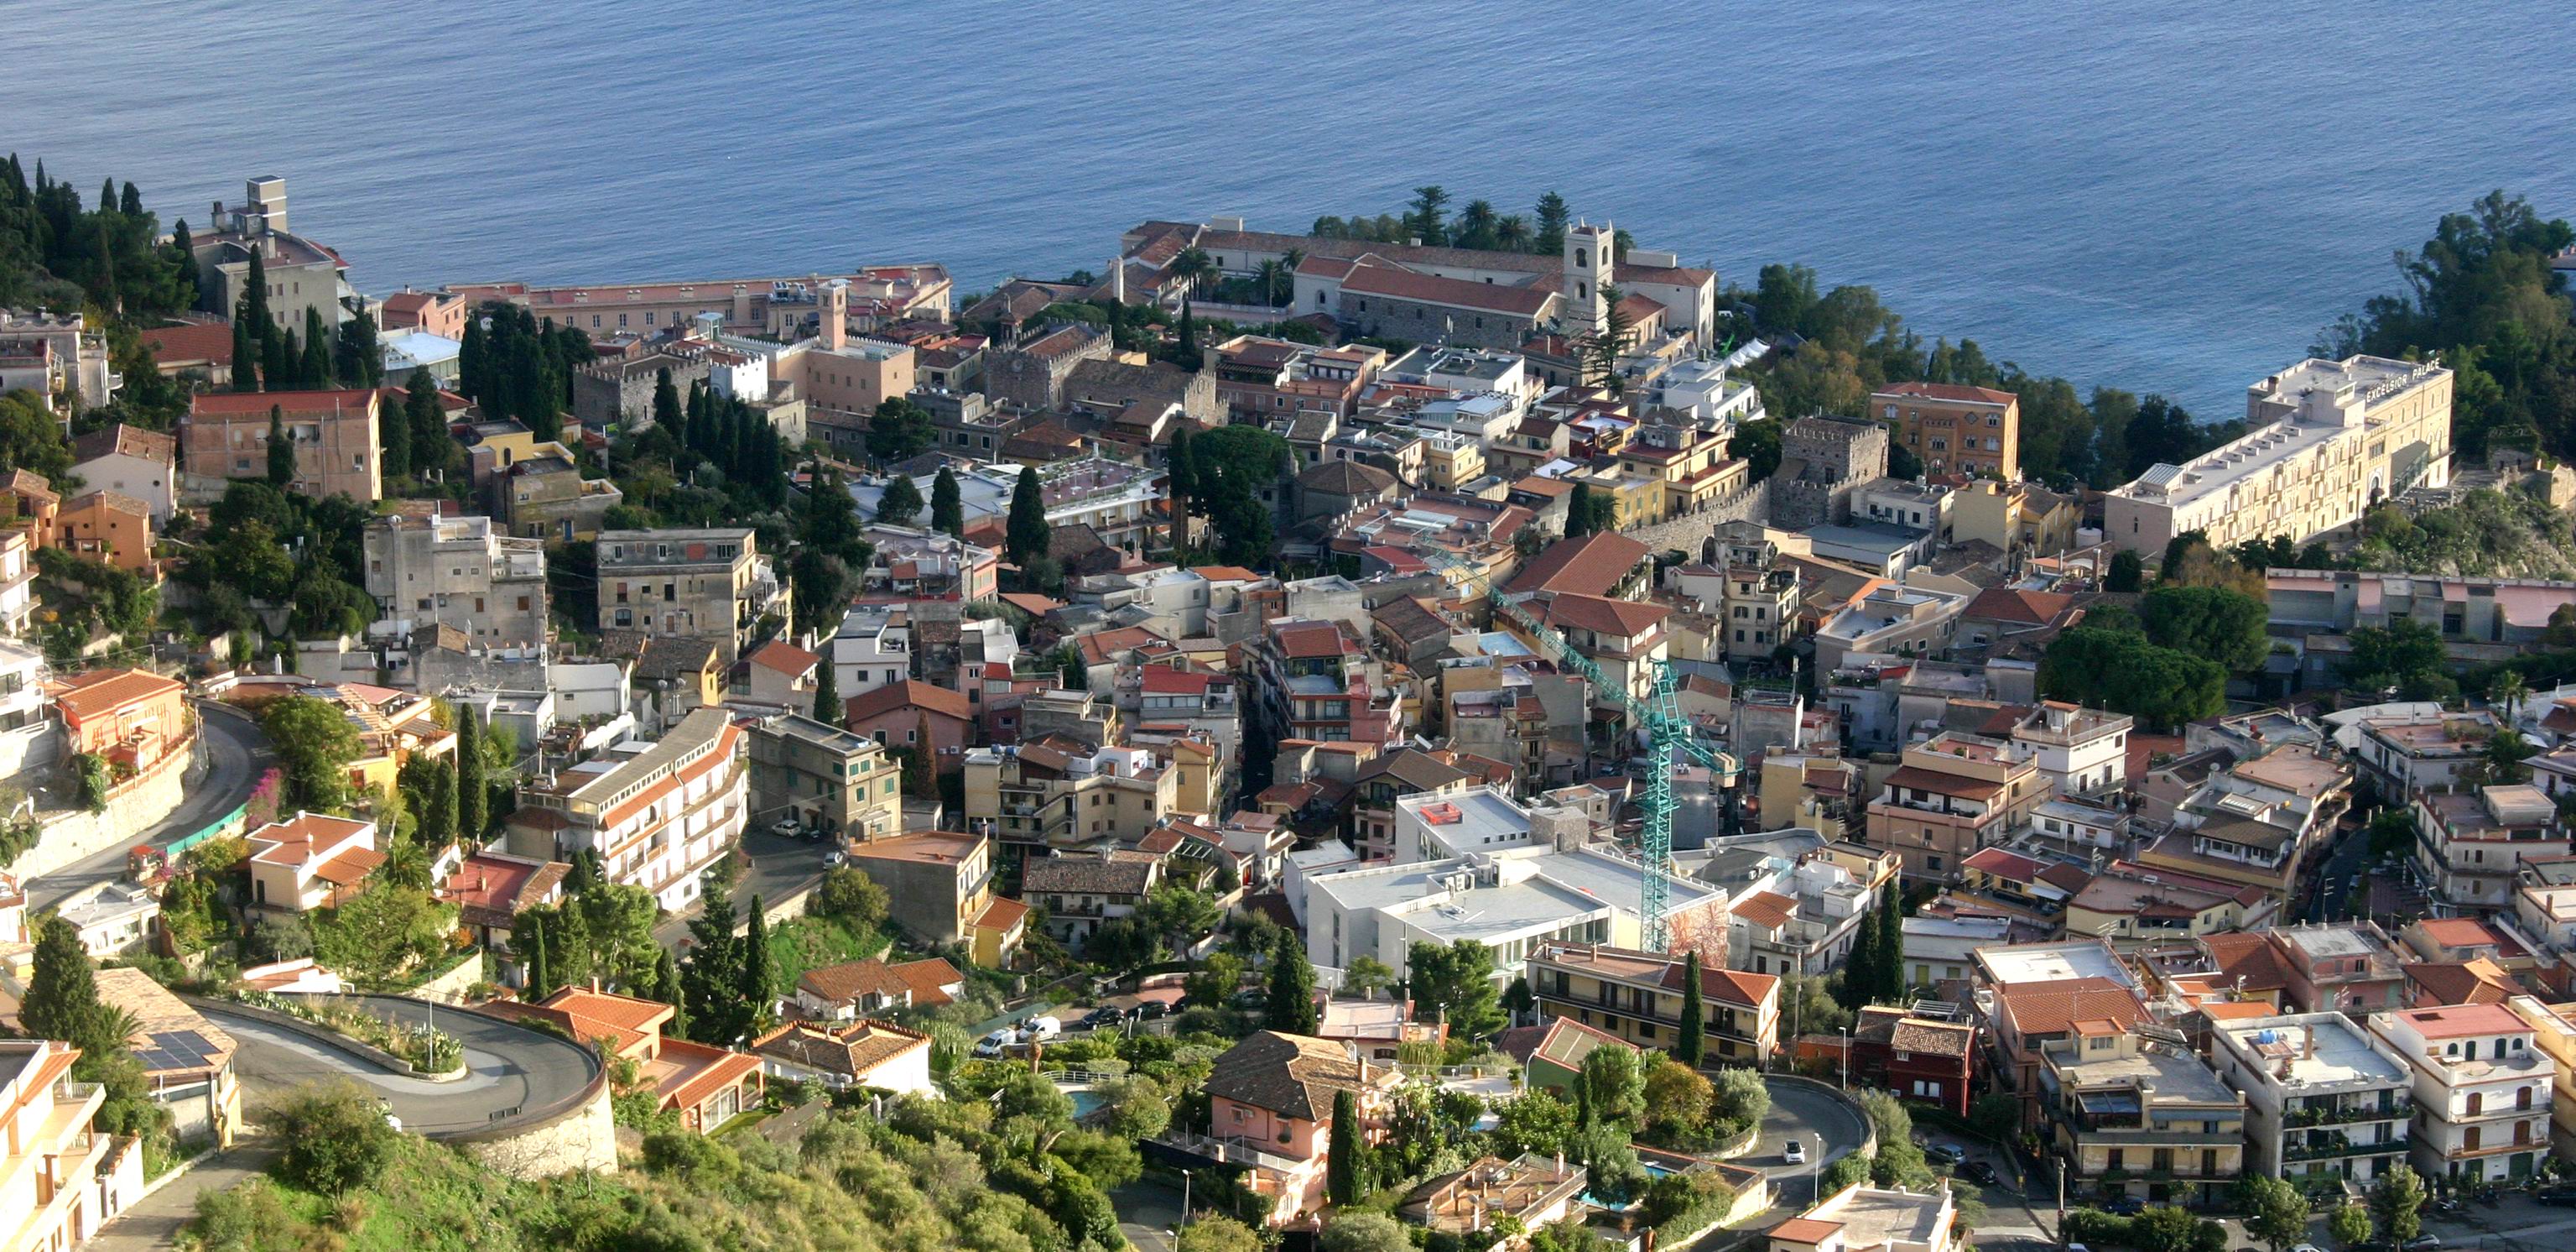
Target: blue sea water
<point>2163,196</point>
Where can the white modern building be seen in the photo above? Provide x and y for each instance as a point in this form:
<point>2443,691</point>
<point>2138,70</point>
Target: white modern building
<point>658,814</point>
<point>2325,1101</point>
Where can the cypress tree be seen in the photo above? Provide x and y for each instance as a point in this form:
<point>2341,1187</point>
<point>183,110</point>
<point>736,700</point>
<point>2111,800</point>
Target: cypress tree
<point>531,935</point>
<point>1342,1162</point>
<point>473,802</point>
<point>1183,468</point>
<point>424,423</point>
<point>711,987</point>
<point>1891,946</point>
<point>183,249</point>
<point>666,403</point>
<point>666,977</point>
<point>316,370</point>
<point>473,361</point>
<point>827,693</point>
<point>245,356</point>
<point>1692,1044</point>
<point>276,364</point>
<point>281,450</point>
<point>131,202</point>
<point>107,196</point>
<point>255,296</point>
<point>359,358</point>
<point>1291,1005</point>
<point>62,995</point>
<point>393,436</point>
<point>756,984</point>
<point>1860,972</point>
<point>1026,534</point>
<point>947,508</point>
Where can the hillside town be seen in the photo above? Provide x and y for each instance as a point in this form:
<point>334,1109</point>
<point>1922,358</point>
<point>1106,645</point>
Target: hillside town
<point>1456,733</point>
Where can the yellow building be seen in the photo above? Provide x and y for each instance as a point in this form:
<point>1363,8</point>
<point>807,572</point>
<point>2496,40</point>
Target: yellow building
<point>1692,468</point>
<point>1451,461</point>
<point>2553,1031</point>
<point>2138,1117</point>
<point>2014,517</point>
<point>1637,996</point>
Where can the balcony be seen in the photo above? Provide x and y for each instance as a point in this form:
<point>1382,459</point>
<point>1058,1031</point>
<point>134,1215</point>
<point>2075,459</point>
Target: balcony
<point>2340,1146</point>
<point>2397,1110</point>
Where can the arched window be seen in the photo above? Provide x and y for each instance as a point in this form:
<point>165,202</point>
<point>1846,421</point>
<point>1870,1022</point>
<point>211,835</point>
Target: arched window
<point>1579,259</point>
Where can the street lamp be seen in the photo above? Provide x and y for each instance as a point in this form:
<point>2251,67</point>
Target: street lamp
<point>1182,1224</point>
<point>1845,1033</point>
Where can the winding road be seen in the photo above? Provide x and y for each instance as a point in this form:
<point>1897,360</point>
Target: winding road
<point>516,1074</point>
<point>1830,1128</point>
<point>236,754</point>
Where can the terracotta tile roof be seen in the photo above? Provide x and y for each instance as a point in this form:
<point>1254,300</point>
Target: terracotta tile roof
<point>1372,277</point>
<point>2466,982</point>
<point>1589,566</point>
<point>2458,932</point>
<point>786,658</point>
<point>1730,986</point>
<point>853,1050</point>
<point>1914,1034</point>
<point>1767,909</point>
<point>1625,618</point>
<point>2455,1021</point>
<point>1954,392</point>
<point>921,984</point>
<point>2044,1008</point>
<point>300,838</point>
<point>129,440</point>
<point>903,695</point>
<point>1805,1230</point>
<point>1000,913</point>
<point>1916,778</point>
<point>2003,863</point>
<point>350,867</point>
<point>2250,957</point>
<point>103,691</point>
<point>211,342</point>
<point>294,403</point>
<point>2011,604</point>
<point>713,1070</point>
<point>1291,1075</point>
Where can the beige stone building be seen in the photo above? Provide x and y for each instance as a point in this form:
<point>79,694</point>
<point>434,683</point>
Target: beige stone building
<point>461,572</point>
<point>1951,795</point>
<point>2328,440</point>
<point>225,436</point>
<point>704,584</point>
<point>2139,1116</point>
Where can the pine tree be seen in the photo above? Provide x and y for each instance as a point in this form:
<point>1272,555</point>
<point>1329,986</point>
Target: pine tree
<point>1691,1046</point>
<point>1342,1163</point>
<point>62,995</point>
<point>1291,1005</point>
<point>1026,533</point>
<point>947,508</point>
<point>281,450</point>
<point>827,693</point>
<point>245,356</point>
<point>473,802</point>
<point>901,502</point>
<point>757,987</point>
<point>711,986</point>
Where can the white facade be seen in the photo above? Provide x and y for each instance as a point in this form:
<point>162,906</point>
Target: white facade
<point>872,649</point>
<point>2482,1089</point>
<point>29,733</point>
<point>155,483</point>
<point>2324,1099</point>
<point>658,816</point>
<point>2080,751</point>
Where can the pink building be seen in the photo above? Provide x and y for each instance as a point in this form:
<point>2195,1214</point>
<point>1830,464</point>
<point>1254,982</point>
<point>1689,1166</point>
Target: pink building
<point>1270,1106</point>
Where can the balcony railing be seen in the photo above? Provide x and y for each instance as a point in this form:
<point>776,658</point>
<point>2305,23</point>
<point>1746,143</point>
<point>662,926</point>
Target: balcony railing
<point>2339,1147</point>
<point>2397,1110</point>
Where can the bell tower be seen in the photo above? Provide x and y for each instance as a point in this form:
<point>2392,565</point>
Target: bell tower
<point>1587,274</point>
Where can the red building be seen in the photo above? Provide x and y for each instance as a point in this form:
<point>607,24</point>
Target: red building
<point>1918,1058</point>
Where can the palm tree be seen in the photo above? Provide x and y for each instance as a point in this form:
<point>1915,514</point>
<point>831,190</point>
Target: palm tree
<point>1194,267</point>
<point>2510,692</point>
<point>1512,233</point>
<point>1475,225</point>
<point>1272,274</point>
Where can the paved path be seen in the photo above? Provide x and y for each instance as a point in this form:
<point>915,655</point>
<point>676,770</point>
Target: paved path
<point>154,1222</point>
<point>516,1072</point>
<point>1148,1209</point>
<point>780,867</point>
<point>236,754</point>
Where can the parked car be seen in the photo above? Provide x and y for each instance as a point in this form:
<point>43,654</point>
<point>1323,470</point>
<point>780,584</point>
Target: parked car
<point>1152,1009</point>
<point>1795,1153</point>
<point>787,828</point>
<point>1983,1175</point>
<point>992,1045</point>
<point>1041,1029</point>
<point>1104,1018</point>
<point>2126,1206</point>
<point>2422,1243</point>
<point>2306,1247</point>
<point>1946,1153</point>
<point>834,858</point>
<point>2557,1196</point>
<point>1247,1000</point>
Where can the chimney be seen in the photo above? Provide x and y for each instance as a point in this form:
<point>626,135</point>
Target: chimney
<point>2307,1042</point>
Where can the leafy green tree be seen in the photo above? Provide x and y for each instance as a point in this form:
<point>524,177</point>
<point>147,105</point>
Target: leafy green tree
<point>1291,1004</point>
<point>1738,1099</point>
<point>315,745</point>
<point>1218,1233</point>
<point>1026,533</point>
<point>1455,984</point>
<point>2397,1203</point>
<point>2122,671</point>
<point>1676,1103</point>
<point>899,430</point>
<point>2128,572</point>
<point>2349,1224</point>
<point>901,502</point>
<point>1231,468</point>
<point>1365,976</point>
<point>1537,1122</point>
<point>281,450</point>
<point>2211,622</point>
<point>1344,1170</point>
<point>335,1137</point>
<point>1363,1231</point>
<point>2500,759</point>
<point>947,507</point>
<point>2164,1228</point>
<point>2275,1212</point>
<point>1613,1086</point>
<point>382,931</point>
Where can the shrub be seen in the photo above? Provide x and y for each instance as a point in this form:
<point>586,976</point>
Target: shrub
<point>336,1138</point>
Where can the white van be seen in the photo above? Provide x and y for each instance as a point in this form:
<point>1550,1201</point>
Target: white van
<point>1044,1028</point>
<point>992,1045</point>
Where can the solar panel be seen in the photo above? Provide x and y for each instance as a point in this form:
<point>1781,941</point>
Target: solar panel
<point>176,1049</point>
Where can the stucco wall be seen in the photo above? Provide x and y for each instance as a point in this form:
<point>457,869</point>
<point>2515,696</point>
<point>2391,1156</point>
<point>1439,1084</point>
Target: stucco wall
<point>132,808</point>
<point>584,1138</point>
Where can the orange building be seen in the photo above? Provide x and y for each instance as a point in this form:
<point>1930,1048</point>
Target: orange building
<point>60,1179</point>
<point>109,526</point>
<point>707,1086</point>
<point>126,715</point>
<point>32,498</point>
<point>1954,429</point>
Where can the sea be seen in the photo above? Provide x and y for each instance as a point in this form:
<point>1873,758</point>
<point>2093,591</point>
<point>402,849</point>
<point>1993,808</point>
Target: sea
<point>2163,196</point>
